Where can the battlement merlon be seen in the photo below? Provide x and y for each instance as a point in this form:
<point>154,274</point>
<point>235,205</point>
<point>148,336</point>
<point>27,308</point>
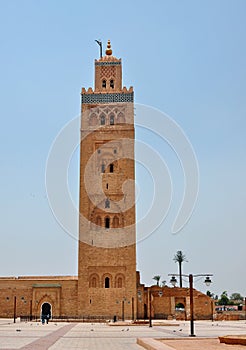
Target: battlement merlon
<point>91,91</point>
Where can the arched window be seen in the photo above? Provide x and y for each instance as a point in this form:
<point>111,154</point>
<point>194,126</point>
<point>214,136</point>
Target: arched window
<point>111,168</point>
<point>107,222</point>
<point>102,168</point>
<point>107,203</point>
<point>102,119</point>
<point>111,120</point>
<point>104,83</point>
<point>107,282</point>
<point>112,83</point>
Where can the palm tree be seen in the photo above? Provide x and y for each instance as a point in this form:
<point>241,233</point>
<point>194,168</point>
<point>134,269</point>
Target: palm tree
<point>179,257</point>
<point>157,279</point>
<point>163,283</point>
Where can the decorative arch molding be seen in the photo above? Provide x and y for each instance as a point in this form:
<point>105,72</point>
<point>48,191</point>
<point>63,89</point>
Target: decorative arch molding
<point>117,110</point>
<point>116,221</point>
<point>107,277</point>
<point>93,121</point>
<point>99,214</point>
<point>121,118</point>
<point>119,280</point>
<point>94,280</point>
<point>46,293</point>
<point>46,299</point>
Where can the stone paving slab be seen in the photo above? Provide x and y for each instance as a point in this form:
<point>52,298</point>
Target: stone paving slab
<point>20,335</point>
<point>199,344</point>
<point>152,344</point>
<point>75,336</point>
<point>45,343</point>
<point>233,339</point>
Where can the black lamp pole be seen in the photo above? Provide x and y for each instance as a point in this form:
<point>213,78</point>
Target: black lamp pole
<point>14,309</point>
<point>150,307</point>
<point>192,334</point>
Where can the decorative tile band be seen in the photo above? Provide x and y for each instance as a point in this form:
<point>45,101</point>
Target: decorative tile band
<point>107,98</point>
<point>107,63</point>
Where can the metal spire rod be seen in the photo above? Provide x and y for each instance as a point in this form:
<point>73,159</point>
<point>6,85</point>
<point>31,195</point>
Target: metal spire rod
<point>100,44</point>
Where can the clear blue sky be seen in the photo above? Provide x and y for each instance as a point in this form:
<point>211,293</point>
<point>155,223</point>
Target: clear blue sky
<point>186,58</point>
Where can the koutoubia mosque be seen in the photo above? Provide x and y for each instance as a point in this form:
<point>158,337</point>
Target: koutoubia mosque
<point>108,285</point>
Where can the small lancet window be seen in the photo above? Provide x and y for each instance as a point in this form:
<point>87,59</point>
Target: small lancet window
<point>107,222</point>
<point>107,282</point>
<point>111,168</point>
<point>111,120</point>
<point>112,83</point>
<point>107,203</point>
<point>102,168</point>
<point>104,83</point>
<point>102,120</point>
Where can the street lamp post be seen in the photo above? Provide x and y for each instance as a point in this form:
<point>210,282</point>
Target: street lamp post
<point>191,276</point>
<point>191,306</point>
<point>14,309</point>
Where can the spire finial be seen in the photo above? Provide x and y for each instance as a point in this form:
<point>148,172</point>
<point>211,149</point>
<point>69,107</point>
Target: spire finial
<point>109,50</point>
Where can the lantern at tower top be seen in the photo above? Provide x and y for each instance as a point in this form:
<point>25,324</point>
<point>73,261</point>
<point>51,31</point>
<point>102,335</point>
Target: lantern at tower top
<point>109,49</point>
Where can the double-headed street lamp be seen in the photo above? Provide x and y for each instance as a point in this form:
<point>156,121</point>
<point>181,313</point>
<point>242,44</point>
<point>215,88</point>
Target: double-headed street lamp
<point>207,281</point>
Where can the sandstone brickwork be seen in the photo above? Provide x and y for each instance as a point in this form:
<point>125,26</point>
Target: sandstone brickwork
<point>107,248</point>
<point>107,284</point>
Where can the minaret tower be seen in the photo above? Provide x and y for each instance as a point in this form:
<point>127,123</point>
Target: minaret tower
<point>107,237</point>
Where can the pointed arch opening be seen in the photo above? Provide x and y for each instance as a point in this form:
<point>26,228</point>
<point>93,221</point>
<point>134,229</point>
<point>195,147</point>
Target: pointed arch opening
<point>46,311</point>
<point>111,119</point>
<point>107,222</point>
<point>112,83</point>
<point>107,282</point>
<point>102,119</point>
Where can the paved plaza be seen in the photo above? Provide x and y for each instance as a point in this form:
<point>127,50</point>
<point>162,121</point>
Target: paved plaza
<point>54,336</point>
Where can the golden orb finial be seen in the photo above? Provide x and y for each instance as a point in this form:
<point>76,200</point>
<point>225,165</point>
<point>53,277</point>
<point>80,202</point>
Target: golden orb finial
<point>109,50</point>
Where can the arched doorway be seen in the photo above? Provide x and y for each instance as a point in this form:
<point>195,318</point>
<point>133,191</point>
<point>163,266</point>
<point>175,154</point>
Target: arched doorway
<point>180,311</point>
<point>46,310</point>
<point>179,307</point>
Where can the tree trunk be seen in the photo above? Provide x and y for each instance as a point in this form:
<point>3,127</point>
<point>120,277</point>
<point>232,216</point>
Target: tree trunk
<point>180,274</point>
